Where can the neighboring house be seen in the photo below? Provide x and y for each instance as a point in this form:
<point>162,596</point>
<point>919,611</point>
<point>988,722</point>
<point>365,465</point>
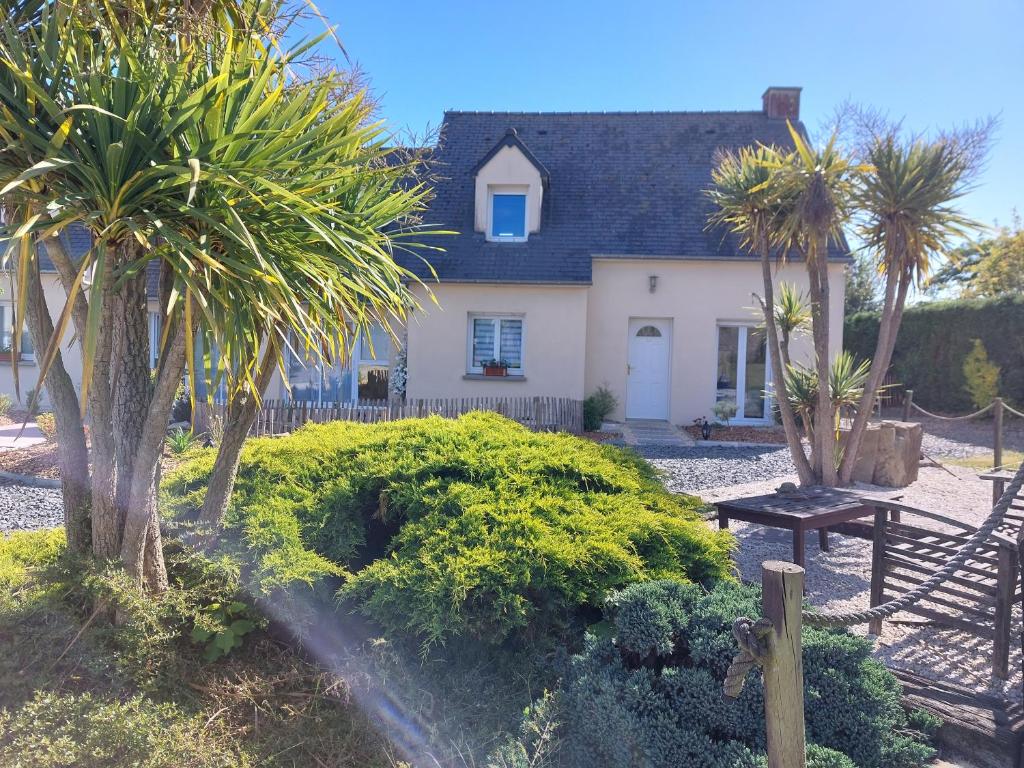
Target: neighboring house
<point>583,259</point>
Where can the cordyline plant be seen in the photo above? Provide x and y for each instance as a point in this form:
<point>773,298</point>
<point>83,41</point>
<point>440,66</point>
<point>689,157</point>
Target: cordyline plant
<point>796,203</point>
<point>178,134</point>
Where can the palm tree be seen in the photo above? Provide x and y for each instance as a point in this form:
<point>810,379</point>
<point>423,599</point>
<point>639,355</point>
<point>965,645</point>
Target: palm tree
<point>748,201</point>
<point>908,217</point>
<point>821,183</point>
<point>272,207</point>
<point>791,315</point>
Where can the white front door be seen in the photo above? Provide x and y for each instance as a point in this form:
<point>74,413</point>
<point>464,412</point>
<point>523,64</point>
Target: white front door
<point>647,384</point>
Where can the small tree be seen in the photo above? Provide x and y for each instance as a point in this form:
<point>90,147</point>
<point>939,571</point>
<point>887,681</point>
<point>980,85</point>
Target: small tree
<point>179,135</point>
<point>749,202</point>
<point>907,217</point>
<point>982,375</point>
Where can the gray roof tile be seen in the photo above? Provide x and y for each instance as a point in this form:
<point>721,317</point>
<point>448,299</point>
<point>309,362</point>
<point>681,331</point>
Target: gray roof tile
<point>621,184</point>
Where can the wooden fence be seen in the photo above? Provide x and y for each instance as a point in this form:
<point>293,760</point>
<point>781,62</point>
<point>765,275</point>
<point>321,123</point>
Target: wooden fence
<point>278,417</point>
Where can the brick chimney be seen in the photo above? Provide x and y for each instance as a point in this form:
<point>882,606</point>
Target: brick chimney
<point>782,103</point>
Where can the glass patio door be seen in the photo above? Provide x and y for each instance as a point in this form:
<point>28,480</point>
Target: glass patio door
<point>743,372</point>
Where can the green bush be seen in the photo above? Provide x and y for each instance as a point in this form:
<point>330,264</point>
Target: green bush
<point>935,339</point>
<point>652,696</point>
<point>58,730</point>
<point>981,376</point>
<point>5,405</point>
<point>440,528</point>
<point>597,407</point>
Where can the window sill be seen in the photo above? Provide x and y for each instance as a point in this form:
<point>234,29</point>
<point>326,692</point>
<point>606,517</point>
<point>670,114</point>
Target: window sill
<point>24,361</point>
<point>481,377</point>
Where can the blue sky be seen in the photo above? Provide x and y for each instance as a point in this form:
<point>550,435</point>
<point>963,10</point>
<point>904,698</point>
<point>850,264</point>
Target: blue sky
<point>938,63</point>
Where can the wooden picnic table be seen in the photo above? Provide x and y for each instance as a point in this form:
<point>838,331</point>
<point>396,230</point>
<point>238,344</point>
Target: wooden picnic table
<point>805,510</point>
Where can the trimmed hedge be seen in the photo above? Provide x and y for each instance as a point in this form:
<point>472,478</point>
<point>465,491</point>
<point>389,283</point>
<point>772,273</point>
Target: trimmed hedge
<point>440,528</point>
<point>651,695</point>
<point>935,339</point>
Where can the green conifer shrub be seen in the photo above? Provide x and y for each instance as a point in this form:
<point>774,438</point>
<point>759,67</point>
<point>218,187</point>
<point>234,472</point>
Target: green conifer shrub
<point>981,375</point>
<point>651,695</point>
<point>440,528</point>
<point>598,406</point>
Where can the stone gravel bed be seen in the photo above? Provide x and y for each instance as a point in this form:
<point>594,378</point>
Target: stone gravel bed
<point>29,508</point>
<point>687,470</point>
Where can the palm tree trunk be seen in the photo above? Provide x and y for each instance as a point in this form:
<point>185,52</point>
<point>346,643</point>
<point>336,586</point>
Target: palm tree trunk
<point>140,550</point>
<point>829,470</point>
<point>796,448</point>
<point>72,453</point>
<point>107,525</point>
<point>824,433</point>
<point>887,330</point>
<point>239,419</point>
<point>131,386</point>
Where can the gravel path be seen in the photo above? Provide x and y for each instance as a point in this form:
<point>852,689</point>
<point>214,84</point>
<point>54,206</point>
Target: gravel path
<point>28,508</point>
<point>699,468</point>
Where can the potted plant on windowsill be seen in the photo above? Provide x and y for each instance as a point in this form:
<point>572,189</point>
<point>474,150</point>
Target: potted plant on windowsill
<point>6,354</point>
<point>495,368</point>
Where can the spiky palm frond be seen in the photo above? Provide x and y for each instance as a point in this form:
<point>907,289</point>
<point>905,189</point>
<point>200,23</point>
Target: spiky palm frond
<point>821,182</point>
<point>792,312</point>
<point>746,195</point>
<point>907,208</point>
<point>846,384</point>
<point>274,208</point>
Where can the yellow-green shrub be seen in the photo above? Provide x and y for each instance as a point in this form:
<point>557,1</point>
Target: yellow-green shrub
<point>47,425</point>
<point>439,528</point>
<point>981,375</point>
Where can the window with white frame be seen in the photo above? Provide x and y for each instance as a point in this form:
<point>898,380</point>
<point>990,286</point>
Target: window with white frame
<point>496,338</point>
<point>362,377</point>
<point>7,334</point>
<point>506,214</point>
<point>743,373</point>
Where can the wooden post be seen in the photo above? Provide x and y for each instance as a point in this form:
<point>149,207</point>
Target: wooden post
<point>782,598</point>
<point>878,567</point>
<point>997,433</point>
<point>908,399</point>
<point>1006,589</point>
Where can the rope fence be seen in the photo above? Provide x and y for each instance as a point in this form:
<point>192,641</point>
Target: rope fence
<point>966,417</point>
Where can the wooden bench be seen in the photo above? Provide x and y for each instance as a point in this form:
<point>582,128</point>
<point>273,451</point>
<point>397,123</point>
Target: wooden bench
<point>977,599</point>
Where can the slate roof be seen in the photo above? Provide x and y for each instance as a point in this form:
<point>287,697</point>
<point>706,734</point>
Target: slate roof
<point>77,242</point>
<point>622,184</point>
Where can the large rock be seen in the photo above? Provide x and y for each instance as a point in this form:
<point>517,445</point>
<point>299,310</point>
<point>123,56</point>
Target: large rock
<point>890,453</point>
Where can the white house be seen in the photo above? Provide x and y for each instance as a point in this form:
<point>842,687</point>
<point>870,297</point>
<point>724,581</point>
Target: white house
<point>583,259</point>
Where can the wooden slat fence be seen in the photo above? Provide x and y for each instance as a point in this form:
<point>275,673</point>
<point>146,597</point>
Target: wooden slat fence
<point>278,417</point>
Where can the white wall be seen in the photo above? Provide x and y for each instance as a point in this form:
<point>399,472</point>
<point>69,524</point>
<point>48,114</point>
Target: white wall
<point>28,371</point>
<point>696,296</point>
<point>555,334</point>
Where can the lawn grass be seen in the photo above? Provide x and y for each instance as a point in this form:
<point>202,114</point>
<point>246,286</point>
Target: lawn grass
<point>76,691</point>
<point>983,461</point>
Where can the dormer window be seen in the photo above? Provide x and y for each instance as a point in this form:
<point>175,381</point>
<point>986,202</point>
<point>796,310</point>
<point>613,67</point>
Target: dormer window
<point>510,184</point>
<point>508,215</point>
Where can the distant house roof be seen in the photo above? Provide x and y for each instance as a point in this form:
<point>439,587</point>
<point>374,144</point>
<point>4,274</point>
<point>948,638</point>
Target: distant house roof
<point>621,184</point>
<point>77,241</point>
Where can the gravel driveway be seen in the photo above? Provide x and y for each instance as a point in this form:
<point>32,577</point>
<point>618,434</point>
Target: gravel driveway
<point>28,508</point>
